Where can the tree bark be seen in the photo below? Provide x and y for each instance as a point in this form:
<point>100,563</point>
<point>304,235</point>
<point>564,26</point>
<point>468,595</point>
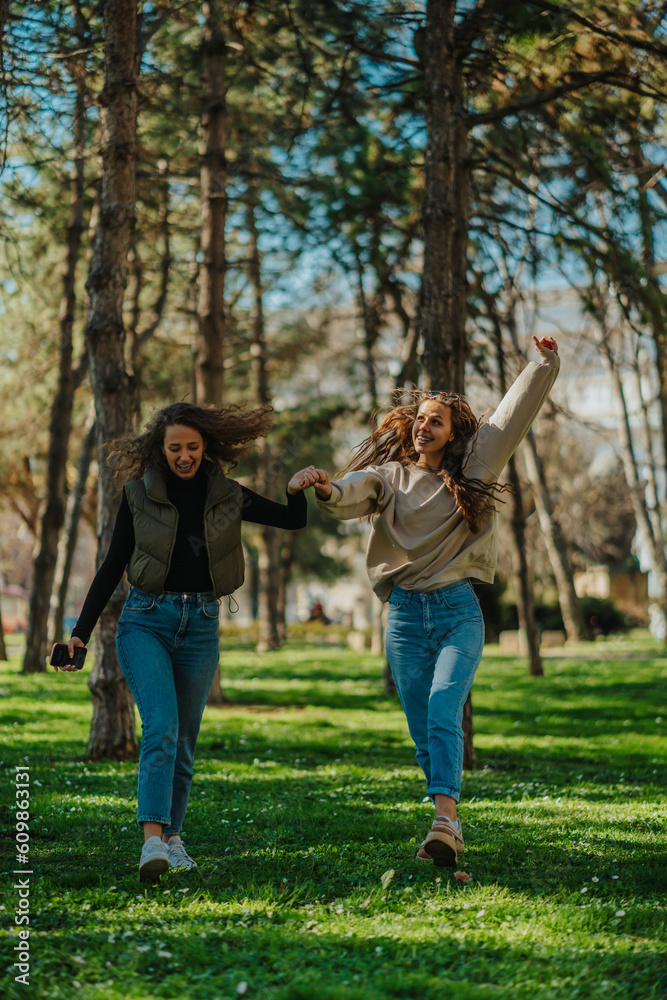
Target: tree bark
<point>645,524</point>
<point>442,311</point>
<point>573,619</point>
<point>270,632</point>
<point>654,298</point>
<point>525,603</point>
<point>112,733</point>
<point>3,647</point>
<point>285,575</point>
<point>53,516</point>
<point>213,174</point>
<point>442,314</point>
<point>70,534</point>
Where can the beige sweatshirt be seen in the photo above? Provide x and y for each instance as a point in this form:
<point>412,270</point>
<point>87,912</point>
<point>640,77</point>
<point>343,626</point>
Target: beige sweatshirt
<point>419,539</point>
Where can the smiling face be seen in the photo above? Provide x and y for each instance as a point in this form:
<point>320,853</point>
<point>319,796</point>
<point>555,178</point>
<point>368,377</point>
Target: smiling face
<point>184,449</point>
<point>431,432</point>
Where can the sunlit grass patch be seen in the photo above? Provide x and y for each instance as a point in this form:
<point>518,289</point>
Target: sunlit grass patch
<point>305,816</point>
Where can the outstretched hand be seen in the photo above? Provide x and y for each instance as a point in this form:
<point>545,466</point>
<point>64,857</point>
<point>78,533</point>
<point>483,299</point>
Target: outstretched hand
<point>319,478</point>
<point>547,347</point>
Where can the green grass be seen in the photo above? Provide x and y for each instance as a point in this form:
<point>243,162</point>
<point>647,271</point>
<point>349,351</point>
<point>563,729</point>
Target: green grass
<point>305,816</point>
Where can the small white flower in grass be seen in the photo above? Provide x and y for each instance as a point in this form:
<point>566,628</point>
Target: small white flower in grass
<point>480,913</point>
<point>378,950</point>
<point>614,876</point>
<point>78,959</point>
<point>585,889</point>
<point>139,897</point>
<point>242,988</point>
<point>112,887</point>
<point>123,829</point>
<point>183,890</point>
<point>164,954</point>
<point>166,892</point>
<point>619,913</point>
<point>143,947</point>
<point>595,879</point>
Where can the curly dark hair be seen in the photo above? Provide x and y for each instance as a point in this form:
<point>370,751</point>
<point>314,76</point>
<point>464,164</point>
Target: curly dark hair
<point>227,432</point>
<point>391,441</point>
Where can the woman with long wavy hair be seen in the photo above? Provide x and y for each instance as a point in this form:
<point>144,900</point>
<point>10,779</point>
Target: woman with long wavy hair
<point>428,479</point>
<point>178,535</point>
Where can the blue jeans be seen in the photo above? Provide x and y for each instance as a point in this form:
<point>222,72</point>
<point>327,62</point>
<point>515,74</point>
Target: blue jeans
<point>168,651</point>
<point>434,644</point>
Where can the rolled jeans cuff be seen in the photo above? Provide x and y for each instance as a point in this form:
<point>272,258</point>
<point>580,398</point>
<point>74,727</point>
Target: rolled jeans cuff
<point>154,819</point>
<point>453,793</point>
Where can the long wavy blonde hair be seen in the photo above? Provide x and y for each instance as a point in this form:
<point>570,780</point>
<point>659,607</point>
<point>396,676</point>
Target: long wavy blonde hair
<point>391,441</point>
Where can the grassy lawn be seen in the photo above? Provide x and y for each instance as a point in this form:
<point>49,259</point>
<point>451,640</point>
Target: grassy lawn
<point>306,813</point>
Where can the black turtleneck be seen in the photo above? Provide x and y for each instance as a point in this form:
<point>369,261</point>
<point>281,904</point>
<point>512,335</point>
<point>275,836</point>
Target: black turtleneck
<point>189,570</point>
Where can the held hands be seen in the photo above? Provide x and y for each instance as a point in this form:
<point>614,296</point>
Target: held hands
<point>319,478</point>
<point>71,643</point>
<point>546,347</point>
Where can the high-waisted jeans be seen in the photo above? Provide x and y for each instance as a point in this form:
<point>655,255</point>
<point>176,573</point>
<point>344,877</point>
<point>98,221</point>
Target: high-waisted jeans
<point>434,644</point>
<point>168,651</point>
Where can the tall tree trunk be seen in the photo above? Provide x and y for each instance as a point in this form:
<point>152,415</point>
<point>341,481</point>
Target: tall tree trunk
<point>3,647</point>
<point>370,315</point>
<point>70,534</point>
<point>525,603</point>
<point>573,618</point>
<point>138,338</point>
<point>442,311</point>
<point>636,489</point>
<point>654,298</point>
<point>209,354</point>
<point>61,410</point>
<point>270,632</point>
<point>285,575</point>
<point>112,732</point>
<point>442,314</point>
<point>213,172</point>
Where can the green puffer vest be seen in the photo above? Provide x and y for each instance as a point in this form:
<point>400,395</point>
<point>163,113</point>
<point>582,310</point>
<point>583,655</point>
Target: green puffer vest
<point>155,521</point>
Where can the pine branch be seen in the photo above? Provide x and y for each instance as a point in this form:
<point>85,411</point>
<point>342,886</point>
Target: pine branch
<point>474,23</point>
<point>542,97</point>
<point>617,37</point>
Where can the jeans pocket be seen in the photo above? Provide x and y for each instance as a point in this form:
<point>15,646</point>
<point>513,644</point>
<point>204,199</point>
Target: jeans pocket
<point>398,599</point>
<point>461,597</point>
<point>139,600</point>
<point>211,609</point>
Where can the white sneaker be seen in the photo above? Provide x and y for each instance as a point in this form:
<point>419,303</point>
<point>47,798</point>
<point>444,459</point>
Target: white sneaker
<point>178,856</point>
<point>154,860</point>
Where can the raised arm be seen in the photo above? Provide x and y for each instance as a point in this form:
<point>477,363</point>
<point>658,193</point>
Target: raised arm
<point>500,436</point>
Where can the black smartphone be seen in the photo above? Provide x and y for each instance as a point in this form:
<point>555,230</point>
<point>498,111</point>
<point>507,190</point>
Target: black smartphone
<point>60,656</point>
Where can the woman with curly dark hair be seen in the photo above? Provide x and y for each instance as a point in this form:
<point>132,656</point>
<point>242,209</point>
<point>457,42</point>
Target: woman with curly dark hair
<point>428,479</point>
<point>178,535</point>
